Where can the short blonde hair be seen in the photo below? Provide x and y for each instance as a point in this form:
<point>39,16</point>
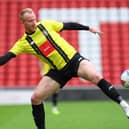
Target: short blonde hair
<point>23,11</point>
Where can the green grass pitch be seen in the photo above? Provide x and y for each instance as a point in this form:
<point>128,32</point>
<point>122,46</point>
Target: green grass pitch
<point>74,115</point>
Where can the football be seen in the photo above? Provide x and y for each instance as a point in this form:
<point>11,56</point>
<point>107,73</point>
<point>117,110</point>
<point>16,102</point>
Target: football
<point>125,78</point>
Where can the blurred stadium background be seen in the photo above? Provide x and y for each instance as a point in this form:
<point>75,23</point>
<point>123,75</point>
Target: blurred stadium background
<point>109,54</point>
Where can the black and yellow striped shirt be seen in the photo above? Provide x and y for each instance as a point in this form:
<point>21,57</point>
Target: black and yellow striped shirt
<point>53,28</point>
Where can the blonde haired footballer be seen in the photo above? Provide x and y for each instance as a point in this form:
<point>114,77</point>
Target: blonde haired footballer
<point>65,62</point>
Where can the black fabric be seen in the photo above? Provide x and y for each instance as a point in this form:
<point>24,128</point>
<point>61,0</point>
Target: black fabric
<point>109,90</point>
<point>74,26</point>
<point>66,73</point>
<point>54,99</point>
<point>39,115</point>
<point>5,58</point>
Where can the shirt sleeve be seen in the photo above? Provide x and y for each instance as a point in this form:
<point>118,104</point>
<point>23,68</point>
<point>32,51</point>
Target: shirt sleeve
<point>17,49</point>
<point>74,26</point>
<point>5,58</point>
<point>56,25</point>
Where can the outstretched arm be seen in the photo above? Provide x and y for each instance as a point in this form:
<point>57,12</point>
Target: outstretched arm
<point>74,26</point>
<point>5,58</point>
<point>77,26</point>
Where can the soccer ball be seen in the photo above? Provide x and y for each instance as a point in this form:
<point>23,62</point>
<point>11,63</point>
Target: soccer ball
<point>125,78</point>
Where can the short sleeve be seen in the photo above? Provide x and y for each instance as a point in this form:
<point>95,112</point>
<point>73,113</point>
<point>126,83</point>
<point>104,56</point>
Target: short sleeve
<point>17,48</point>
<point>56,25</point>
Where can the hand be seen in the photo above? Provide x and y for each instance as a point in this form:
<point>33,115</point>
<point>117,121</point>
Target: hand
<point>95,32</point>
<point>98,33</point>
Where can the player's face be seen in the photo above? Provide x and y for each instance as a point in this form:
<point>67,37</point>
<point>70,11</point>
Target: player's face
<point>29,22</point>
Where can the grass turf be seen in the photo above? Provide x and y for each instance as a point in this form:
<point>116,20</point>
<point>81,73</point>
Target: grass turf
<point>74,115</point>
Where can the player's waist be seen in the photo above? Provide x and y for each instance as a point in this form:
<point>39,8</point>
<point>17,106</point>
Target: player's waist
<point>57,61</point>
<point>65,65</point>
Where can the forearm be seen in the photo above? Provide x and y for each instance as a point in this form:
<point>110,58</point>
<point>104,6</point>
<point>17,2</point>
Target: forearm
<point>74,26</point>
<point>5,58</point>
<point>77,26</point>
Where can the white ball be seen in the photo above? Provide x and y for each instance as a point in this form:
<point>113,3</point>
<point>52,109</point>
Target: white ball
<point>125,78</point>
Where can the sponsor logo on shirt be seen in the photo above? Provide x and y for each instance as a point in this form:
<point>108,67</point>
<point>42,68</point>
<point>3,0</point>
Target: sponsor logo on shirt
<point>46,48</point>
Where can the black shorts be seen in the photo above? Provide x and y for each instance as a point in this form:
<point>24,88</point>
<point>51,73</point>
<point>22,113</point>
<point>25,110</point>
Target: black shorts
<point>65,74</point>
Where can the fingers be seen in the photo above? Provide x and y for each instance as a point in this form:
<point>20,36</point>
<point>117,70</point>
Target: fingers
<point>98,33</point>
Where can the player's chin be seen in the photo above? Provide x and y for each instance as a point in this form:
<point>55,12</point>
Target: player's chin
<point>34,29</point>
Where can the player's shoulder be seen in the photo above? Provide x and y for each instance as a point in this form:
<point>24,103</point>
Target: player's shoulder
<point>22,39</point>
<point>50,22</point>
